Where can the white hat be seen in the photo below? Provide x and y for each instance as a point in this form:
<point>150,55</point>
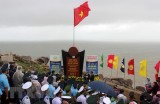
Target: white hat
<point>95,93</point>
<point>27,85</point>
<point>66,97</point>
<point>106,100</point>
<point>34,77</point>
<point>90,90</point>
<point>57,90</point>
<point>44,87</point>
<point>81,89</point>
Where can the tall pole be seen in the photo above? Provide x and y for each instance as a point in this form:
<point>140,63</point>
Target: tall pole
<point>146,70</point>
<point>134,81</point>
<point>124,68</point>
<point>73,36</point>
<point>73,29</point>
<point>111,73</point>
<point>117,72</point>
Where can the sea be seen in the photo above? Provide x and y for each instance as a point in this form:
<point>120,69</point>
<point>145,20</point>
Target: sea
<point>128,50</point>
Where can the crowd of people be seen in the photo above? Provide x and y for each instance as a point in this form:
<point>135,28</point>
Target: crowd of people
<point>31,87</point>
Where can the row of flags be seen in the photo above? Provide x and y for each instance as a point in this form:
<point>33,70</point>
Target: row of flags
<point>82,12</point>
<point>113,60</point>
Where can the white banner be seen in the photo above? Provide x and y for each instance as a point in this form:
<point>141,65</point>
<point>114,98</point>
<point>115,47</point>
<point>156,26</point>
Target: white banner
<point>55,58</point>
<point>91,58</point>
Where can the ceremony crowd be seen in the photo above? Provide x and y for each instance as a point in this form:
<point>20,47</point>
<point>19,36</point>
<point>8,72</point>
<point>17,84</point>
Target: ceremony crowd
<point>51,88</point>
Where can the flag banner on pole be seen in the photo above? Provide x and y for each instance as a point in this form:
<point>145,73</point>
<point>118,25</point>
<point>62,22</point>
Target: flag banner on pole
<point>102,61</point>
<point>123,66</point>
<point>115,62</point>
<point>80,13</point>
<point>143,68</point>
<point>92,64</point>
<point>157,69</point>
<point>55,63</point>
<point>110,61</point>
<point>131,67</point>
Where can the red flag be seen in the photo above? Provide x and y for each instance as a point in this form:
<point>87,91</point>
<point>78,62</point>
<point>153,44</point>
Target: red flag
<point>80,13</point>
<point>131,67</point>
<point>157,69</point>
<point>110,61</point>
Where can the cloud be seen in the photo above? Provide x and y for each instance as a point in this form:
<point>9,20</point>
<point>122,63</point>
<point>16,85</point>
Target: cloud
<point>52,20</point>
<point>60,12</point>
<point>117,32</point>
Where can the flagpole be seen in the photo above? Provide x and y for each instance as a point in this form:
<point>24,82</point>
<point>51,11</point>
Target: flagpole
<point>146,70</point>
<point>73,29</point>
<point>111,73</point>
<point>73,36</point>
<point>134,81</point>
<point>117,72</point>
<point>124,68</point>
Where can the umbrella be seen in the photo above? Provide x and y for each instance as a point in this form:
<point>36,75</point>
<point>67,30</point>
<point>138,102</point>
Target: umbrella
<point>102,87</point>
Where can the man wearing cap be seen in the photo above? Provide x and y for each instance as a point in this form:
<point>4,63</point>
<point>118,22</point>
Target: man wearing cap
<point>66,99</point>
<point>72,100</point>
<point>26,99</point>
<point>4,84</point>
<point>44,89</point>
<point>82,98</point>
<point>58,94</point>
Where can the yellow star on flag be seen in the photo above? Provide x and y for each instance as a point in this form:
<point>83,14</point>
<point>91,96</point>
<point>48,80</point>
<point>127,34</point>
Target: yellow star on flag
<point>81,14</point>
<point>131,67</point>
<point>110,61</point>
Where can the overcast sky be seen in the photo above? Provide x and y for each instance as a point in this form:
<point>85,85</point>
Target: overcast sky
<point>52,20</point>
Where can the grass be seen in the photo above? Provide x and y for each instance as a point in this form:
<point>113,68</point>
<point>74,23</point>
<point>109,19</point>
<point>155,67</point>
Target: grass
<point>37,67</point>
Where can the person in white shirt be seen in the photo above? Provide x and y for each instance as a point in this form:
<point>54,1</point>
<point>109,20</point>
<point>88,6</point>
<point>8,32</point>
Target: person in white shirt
<point>58,94</point>
<point>44,89</point>
<point>82,98</point>
<point>106,100</point>
<point>122,96</point>
<point>26,98</point>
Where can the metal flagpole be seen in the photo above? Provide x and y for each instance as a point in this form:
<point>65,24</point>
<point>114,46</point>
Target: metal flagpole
<point>73,36</point>
<point>73,29</point>
<point>124,68</point>
<point>111,73</point>
<point>134,81</point>
<point>117,72</point>
<point>124,72</point>
<point>146,70</point>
